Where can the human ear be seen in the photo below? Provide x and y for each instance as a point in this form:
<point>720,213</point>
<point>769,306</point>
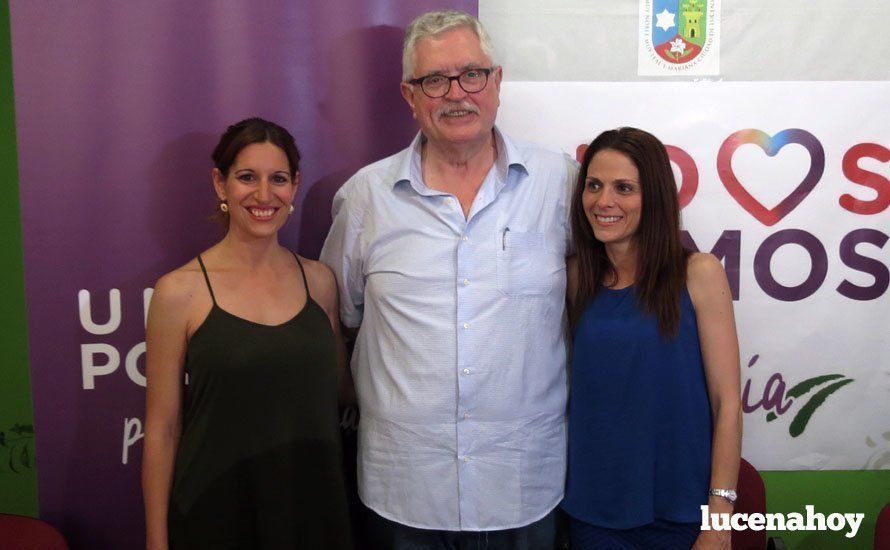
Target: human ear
<point>296,186</point>
<point>408,94</point>
<point>498,76</point>
<point>219,183</point>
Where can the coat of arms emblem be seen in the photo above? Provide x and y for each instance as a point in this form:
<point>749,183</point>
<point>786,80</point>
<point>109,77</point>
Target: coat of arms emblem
<point>678,34</point>
<point>680,29</point>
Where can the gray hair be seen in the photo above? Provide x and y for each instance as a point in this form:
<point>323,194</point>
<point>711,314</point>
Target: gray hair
<point>434,23</point>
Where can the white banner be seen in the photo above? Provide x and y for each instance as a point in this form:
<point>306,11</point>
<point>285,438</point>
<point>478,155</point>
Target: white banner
<point>789,184</point>
<point>755,40</point>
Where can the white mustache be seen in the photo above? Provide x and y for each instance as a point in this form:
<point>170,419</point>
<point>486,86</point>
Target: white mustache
<point>448,109</point>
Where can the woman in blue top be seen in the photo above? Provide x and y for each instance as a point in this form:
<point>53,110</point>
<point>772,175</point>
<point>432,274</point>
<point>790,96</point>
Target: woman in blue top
<point>654,415</point>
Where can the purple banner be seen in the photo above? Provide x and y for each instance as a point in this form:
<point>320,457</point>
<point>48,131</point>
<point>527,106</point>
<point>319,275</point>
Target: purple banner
<point>118,106</point>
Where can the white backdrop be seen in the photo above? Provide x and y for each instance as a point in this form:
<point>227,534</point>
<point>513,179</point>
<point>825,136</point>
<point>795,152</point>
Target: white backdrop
<point>769,40</point>
<point>791,331</point>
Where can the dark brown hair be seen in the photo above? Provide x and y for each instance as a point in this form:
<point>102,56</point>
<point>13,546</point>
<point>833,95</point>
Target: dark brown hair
<point>247,132</point>
<point>661,261</point>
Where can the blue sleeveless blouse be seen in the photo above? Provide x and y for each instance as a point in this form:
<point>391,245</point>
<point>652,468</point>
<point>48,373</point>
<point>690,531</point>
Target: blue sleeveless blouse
<point>639,417</point>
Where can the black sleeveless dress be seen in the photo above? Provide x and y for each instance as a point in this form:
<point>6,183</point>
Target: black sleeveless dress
<point>259,462</point>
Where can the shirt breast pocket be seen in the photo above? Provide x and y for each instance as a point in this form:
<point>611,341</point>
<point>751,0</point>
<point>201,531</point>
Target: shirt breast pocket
<point>526,265</point>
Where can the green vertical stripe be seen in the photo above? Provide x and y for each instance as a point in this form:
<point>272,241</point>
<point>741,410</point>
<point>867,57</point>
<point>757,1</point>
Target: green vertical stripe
<point>18,475</point>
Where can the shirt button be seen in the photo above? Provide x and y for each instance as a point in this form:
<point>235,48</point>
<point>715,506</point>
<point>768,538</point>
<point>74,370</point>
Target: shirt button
<point>448,201</point>
<point>466,371</point>
<point>466,416</point>
<point>465,238</point>
<point>466,282</point>
<point>466,459</point>
<point>466,325</point>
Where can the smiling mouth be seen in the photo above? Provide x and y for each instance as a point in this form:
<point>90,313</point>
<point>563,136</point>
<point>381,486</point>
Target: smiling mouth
<point>457,114</point>
<point>607,219</point>
<point>262,213</point>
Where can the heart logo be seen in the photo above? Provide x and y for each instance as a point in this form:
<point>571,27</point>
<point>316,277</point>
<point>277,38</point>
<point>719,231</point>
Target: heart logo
<point>688,171</point>
<point>771,146</point>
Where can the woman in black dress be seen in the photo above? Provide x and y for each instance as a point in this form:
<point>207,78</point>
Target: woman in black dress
<point>247,454</point>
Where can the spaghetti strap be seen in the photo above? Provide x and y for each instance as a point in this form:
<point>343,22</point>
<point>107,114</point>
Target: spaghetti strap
<point>303,273</point>
<point>207,279</point>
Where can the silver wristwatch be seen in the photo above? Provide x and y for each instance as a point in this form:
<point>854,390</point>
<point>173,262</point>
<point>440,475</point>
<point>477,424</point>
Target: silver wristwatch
<point>728,494</point>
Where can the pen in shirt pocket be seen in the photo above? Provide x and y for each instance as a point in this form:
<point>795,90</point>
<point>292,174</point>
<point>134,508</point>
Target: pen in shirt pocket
<point>504,238</point>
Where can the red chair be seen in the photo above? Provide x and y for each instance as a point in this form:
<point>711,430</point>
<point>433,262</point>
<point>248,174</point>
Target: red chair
<point>882,529</point>
<point>752,499</point>
<point>24,533</point>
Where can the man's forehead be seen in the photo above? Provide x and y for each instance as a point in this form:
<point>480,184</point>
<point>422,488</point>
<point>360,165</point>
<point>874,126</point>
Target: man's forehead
<point>453,50</point>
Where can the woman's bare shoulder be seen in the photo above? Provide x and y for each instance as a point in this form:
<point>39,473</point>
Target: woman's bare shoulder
<point>702,265</point>
<point>705,277</point>
<point>322,284</point>
<point>178,287</point>
<point>320,276</point>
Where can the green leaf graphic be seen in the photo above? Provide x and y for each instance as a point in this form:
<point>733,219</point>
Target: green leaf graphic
<point>771,416</point>
<point>799,424</point>
<point>25,457</point>
<point>17,448</point>
<point>22,429</point>
<point>811,383</point>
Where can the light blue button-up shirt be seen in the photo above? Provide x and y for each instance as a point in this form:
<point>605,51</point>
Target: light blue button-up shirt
<point>460,360</point>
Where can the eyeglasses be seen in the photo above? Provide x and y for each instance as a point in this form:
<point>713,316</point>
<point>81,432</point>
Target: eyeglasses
<point>438,85</point>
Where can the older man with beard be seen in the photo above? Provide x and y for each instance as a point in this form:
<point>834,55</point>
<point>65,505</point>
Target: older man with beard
<point>450,257</point>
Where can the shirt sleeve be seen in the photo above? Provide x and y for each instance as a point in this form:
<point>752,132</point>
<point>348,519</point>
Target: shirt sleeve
<point>572,168</point>
<point>342,252</point>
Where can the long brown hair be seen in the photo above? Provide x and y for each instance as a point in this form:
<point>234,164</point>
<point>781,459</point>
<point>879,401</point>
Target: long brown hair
<point>661,261</point>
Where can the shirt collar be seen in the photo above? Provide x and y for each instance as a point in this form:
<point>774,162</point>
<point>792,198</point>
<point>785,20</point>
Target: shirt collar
<point>409,168</point>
